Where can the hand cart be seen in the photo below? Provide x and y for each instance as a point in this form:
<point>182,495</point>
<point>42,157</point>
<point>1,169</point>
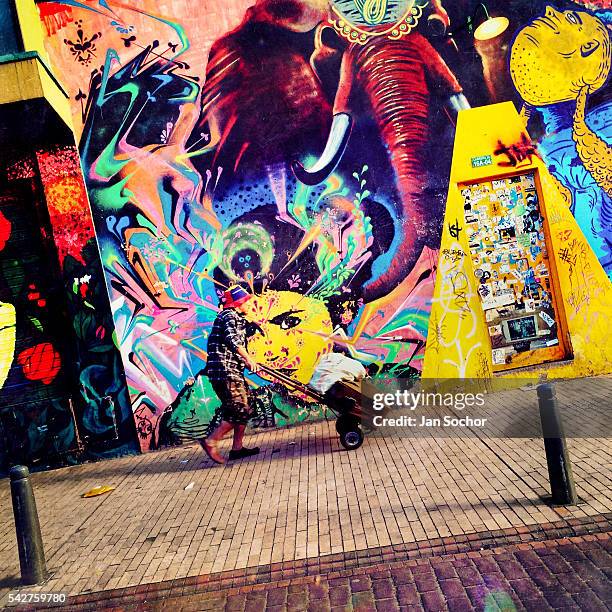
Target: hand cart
<point>344,399</point>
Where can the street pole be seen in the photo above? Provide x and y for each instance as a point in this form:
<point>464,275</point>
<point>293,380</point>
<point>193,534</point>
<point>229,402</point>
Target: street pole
<point>29,539</point>
<point>557,456</point>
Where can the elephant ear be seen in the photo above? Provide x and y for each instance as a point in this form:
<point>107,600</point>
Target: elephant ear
<point>327,57</point>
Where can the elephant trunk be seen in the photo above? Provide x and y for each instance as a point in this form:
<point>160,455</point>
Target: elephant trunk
<point>398,77</point>
<point>594,152</point>
<point>393,79</point>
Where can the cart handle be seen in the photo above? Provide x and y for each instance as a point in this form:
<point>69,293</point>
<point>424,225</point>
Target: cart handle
<point>280,377</point>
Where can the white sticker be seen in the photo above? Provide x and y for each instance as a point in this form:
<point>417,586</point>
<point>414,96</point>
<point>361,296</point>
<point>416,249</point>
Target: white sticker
<point>499,356</point>
<point>547,318</point>
<point>491,315</point>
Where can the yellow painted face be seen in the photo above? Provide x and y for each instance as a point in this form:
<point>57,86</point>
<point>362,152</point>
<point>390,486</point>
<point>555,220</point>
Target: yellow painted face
<point>8,323</point>
<point>295,332</point>
<point>556,55</point>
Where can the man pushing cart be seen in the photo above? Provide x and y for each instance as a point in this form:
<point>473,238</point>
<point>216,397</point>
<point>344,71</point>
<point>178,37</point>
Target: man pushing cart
<point>335,382</point>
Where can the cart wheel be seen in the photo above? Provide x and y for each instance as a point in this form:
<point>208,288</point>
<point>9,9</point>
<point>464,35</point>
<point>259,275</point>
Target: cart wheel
<point>352,439</point>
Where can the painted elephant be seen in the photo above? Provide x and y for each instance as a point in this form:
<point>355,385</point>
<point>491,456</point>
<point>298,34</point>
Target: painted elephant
<point>397,79</point>
<point>283,87</point>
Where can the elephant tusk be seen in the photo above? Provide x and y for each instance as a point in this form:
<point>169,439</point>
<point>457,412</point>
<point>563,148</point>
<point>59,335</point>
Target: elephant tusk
<point>337,140</point>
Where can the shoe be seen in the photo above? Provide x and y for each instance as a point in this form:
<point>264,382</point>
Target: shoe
<point>243,452</point>
<point>211,451</point>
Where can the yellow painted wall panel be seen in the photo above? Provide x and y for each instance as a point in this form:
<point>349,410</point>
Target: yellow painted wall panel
<point>458,343</point>
<point>20,81</point>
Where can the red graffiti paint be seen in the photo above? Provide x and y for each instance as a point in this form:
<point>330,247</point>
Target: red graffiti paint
<point>5,230</point>
<point>60,172</point>
<point>55,16</point>
<point>40,362</point>
<point>516,154</point>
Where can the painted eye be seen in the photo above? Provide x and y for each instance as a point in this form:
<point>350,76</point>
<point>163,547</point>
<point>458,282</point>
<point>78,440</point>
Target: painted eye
<point>574,18</point>
<point>287,320</point>
<point>290,322</point>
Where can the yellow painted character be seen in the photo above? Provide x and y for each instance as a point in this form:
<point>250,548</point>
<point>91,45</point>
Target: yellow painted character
<point>561,57</point>
<point>295,332</point>
<point>555,56</point>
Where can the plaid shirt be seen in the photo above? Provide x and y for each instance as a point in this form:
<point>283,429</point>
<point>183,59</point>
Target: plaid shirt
<point>227,335</point>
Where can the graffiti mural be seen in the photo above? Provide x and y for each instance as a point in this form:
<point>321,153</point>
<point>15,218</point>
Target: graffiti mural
<point>35,417</point>
<point>300,148</point>
<point>63,387</point>
<point>8,320</point>
<point>574,50</point>
<point>194,189</point>
<point>102,405</point>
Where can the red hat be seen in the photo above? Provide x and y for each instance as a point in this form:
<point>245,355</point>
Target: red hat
<point>235,296</point>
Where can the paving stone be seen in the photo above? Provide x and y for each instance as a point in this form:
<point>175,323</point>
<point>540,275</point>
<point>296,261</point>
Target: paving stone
<point>476,595</point>
<point>569,552</point>
<point>235,603</point>
<point>558,599</point>
<point>537,603</point>
<point>277,597</point>
<point>387,605</point>
<point>402,576</point>
<point>362,583</point>
<point>469,576</point>
<point>317,591</point>
<point>363,600</point>
<point>571,582</point>
<point>459,604</point>
<point>339,596</point>
<point>407,594</point>
<point>297,601</point>
<point>319,605</point>
<point>525,589</point>
<point>425,582</point>
<point>556,564</point>
<point>485,565</point>
<point>600,557</point>
<point>444,570</point>
<point>542,577</point>
<point>255,605</point>
<point>433,601</point>
<point>452,588</point>
<point>588,601</point>
<point>383,589</point>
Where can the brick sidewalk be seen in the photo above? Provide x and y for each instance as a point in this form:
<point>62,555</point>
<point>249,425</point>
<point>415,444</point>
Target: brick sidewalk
<point>302,498</point>
<point>555,574</point>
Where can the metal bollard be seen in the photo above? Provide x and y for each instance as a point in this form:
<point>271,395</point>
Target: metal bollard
<point>557,456</point>
<point>29,539</point>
